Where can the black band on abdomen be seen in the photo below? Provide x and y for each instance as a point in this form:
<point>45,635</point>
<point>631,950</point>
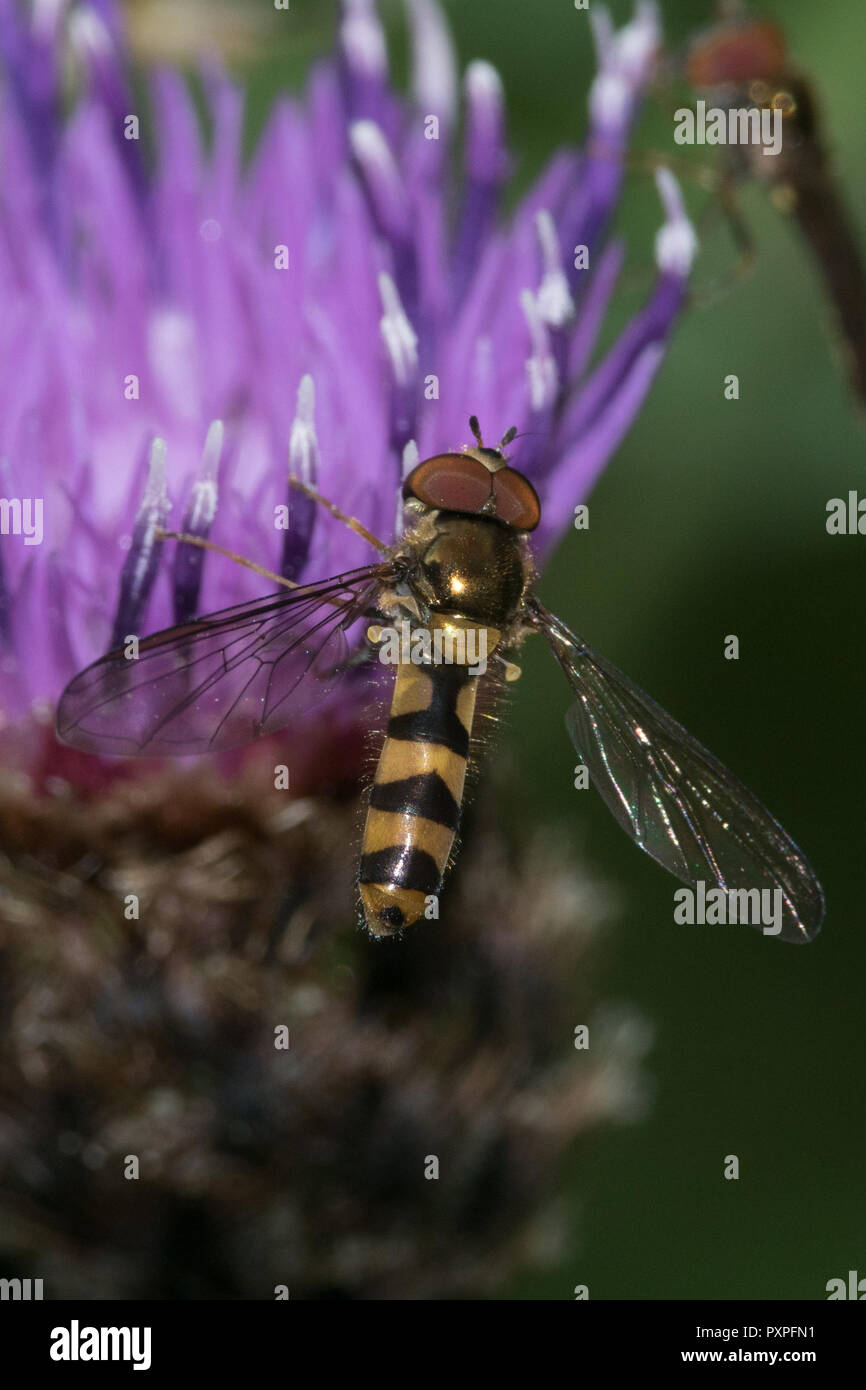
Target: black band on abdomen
<point>403,867</point>
<point>425,795</point>
<point>438,722</point>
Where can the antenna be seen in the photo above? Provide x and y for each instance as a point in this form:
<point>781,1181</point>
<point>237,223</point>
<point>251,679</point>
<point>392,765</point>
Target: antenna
<point>476,430</point>
<point>507,438</point>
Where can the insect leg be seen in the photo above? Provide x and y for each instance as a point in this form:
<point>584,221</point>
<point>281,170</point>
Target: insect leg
<point>727,204</point>
<point>512,671</point>
<point>350,521</point>
<point>186,539</point>
<point>162,535</point>
<point>722,199</point>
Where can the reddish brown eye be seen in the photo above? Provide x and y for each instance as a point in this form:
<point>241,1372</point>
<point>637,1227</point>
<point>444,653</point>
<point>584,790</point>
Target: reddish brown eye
<point>517,501</point>
<point>454,482</point>
<point>737,55</point>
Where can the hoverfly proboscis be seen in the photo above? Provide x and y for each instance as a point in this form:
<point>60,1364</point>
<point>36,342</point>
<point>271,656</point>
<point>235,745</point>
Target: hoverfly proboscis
<point>463,567</point>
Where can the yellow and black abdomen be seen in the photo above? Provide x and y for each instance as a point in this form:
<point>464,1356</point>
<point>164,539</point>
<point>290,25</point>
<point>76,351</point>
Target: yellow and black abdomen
<point>417,792</point>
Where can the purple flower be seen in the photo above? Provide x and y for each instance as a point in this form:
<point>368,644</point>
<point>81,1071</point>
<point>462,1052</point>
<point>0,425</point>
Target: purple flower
<point>335,307</point>
<point>180,330</point>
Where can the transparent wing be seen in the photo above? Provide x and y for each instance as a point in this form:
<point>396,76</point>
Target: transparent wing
<point>671,796</point>
<point>219,681</point>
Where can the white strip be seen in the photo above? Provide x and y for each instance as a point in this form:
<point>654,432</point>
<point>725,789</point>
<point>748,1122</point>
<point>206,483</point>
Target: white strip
<point>484,85</point>
<point>434,75</point>
<point>400,338</point>
<point>377,162</point>
<point>154,508</point>
<point>303,444</point>
<point>554,299</point>
<point>410,461</point>
<point>87,33</point>
<point>204,490</point>
<point>540,365</point>
<point>676,243</point>
<point>362,39</point>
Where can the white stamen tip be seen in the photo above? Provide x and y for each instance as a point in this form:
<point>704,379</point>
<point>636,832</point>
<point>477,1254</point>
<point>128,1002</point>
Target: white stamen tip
<point>368,143</point>
<point>638,41</point>
<point>303,443</point>
<point>47,14</point>
<point>173,351</point>
<point>410,461</point>
<point>540,365</point>
<point>554,298</point>
<point>382,176</point>
<point>213,448</point>
<point>602,29</point>
<point>676,242</point>
<point>153,511</point>
<point>88,33</point>
<point>373,153</point>
<point>155,494</point>
<point>362,39</point>
<point>483,83</point>
<point>306,399</point>
<point>401,340</point>
<point>410,458</point>
<point>204,492</point>
<point>625,62</point>
<point>609,100</point>
<point>434,77</point>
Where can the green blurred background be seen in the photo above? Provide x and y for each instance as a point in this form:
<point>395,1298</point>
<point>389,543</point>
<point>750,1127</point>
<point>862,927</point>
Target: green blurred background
<point>709,521</point>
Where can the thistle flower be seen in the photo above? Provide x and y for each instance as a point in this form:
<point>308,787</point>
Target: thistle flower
<point>309,1164</point>
<point>336,298</point>
<point>181,330</point>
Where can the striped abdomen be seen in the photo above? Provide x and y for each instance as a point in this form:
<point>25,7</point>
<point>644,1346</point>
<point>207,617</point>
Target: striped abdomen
<point>417,792</point>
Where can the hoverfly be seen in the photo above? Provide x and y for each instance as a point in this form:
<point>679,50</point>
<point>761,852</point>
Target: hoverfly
<point>462,568</point>
<point>743,62</point>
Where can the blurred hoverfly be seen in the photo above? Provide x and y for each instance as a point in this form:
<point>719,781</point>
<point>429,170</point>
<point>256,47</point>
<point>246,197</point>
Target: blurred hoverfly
<point>743,61</point>
<point>463,568</point>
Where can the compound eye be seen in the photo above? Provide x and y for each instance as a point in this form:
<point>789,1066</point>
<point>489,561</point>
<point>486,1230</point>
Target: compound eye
<point>454,482</point>
<point>736,55</point>
<point>517,501</point>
